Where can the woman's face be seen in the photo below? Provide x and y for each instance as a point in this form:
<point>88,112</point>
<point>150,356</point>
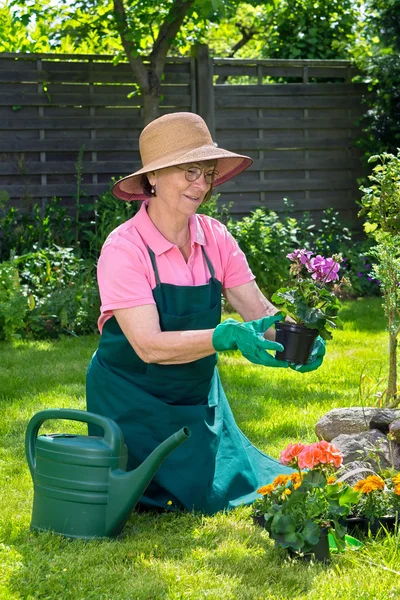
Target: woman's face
<point>177,193</point>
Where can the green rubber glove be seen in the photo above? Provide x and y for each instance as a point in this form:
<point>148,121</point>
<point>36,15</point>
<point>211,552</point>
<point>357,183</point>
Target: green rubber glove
<point>249,339</point>
<point>316,357</point>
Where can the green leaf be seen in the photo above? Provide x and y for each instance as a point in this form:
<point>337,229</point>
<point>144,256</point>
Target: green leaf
<point>311,532</point>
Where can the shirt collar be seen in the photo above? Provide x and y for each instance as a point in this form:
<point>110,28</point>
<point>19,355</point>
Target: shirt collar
<point>155,239</point>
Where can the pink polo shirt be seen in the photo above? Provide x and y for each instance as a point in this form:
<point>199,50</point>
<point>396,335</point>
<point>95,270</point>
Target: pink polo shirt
<point>125,274</point>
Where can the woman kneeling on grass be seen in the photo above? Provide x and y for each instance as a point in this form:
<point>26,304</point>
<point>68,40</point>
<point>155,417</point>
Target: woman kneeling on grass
<point>161,275</point>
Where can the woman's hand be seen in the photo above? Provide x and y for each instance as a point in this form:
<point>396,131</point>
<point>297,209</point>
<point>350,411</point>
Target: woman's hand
<point>316,357</point>
<point>249,339</point>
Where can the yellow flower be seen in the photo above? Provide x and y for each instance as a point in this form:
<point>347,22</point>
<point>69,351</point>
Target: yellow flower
<point>296,485</point>
<point>265,490</point>
<point>376,481</point>
<point>287,492</point>
<point>169,502</point>
<point>280,480</point>
<point>359,485</point>
<point>331,480</point>
<point>396,479</point>
<point>370,484</point>
<point>295,477</point>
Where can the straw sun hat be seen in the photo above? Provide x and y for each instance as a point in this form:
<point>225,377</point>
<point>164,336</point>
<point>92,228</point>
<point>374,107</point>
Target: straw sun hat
<point>177,139</point>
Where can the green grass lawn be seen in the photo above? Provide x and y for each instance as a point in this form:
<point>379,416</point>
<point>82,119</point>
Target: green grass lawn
<point>185,556</point>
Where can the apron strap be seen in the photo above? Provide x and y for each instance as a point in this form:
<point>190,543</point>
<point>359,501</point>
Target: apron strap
<point>209,264</point>
<point>154,263</point>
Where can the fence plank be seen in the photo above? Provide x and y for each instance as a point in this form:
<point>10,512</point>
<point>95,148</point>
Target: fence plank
<point>83,77</point>
<point>301,135</point>
<point>136,122</point>
<point>27,99</point>
<point>287,102</point>
<point>290,89</point>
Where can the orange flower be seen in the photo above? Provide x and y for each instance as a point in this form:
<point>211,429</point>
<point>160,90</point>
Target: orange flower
<point>359,485</point>
<point>290,453</point>
<point>330,453</point>
<point>396,479</point>
<point>310,457</point>
<point>280,480</point>
<point>331,480</point>
<point>370,484</point>
<point>397,489</point>
<point>367,488</point>
<point>377,481</point>
<point>265,490</point>
<point>295,477</point>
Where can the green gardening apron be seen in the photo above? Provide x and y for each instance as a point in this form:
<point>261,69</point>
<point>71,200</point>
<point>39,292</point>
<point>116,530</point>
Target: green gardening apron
<point>217,467</point>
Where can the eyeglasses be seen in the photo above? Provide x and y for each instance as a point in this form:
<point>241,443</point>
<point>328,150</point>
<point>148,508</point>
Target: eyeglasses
<point>193,173</point>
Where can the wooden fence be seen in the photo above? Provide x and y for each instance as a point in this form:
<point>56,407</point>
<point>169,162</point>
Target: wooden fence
<point>299,129</point>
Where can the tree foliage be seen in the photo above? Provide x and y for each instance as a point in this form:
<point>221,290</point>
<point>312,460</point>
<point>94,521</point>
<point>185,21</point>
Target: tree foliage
<point>309,29</point>
<point>141,31</point>
<point>375,48</point>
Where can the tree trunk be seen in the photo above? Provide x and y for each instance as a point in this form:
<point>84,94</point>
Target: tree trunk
<point>392,379</point>
<point>151,106</point>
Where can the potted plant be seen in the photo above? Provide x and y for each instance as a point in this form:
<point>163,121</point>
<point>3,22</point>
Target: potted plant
<point>310,301</point>
<point>378,504</point>
<point>301,509</point>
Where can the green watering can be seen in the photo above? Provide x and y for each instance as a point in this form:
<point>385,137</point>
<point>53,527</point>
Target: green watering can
<point>81,487</point>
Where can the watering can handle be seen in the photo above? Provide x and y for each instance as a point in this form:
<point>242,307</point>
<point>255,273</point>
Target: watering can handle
<point>112,433</point>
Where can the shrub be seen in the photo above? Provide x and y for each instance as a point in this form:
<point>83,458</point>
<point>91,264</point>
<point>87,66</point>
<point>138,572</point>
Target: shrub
<point>58,291</point>
<point>13,304</point>
<point>266,240</point>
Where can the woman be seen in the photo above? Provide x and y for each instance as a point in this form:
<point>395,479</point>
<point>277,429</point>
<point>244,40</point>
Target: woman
<point>161,275</point>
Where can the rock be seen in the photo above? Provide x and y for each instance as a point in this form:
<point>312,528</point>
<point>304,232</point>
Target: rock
<point>394,429</point>
<point>371,447</point>
<point>353,420</point>
<point>382,418</point>
<point>354,471</point>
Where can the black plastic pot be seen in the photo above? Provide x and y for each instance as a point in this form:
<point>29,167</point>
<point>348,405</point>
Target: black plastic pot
<point>389,523</point>
<point>297,341</point>
<point>356,525</point>
<point>259,520</point>
<point>361,524</point>
<point>319,551</point>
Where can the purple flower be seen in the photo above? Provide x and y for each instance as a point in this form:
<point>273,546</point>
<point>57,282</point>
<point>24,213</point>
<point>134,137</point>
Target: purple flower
<point>359,274</point>
<point>367,266</point>
<point>302,255</point>
<point>323,269</point>
<point>370,278</point>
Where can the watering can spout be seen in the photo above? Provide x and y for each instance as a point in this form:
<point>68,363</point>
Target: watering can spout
<point>125,489</point>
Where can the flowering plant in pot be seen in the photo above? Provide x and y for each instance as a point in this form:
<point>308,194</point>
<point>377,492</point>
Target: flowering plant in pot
<point>300,509</point>
<point>312,303</point>
<point>378,503</point>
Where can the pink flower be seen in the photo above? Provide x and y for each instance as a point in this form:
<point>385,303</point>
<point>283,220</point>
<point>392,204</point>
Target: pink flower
<point>310,457</point>
<point>330,454</point>
<point>320,453</point>
<point>290,453</point>
<point>302,256</point>
<point>323,269</point>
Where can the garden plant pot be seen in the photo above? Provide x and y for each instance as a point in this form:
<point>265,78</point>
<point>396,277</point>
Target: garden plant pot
<point>356,525</point>
<point>258,520</point>
<point>388,523</point>
<point>320,551</point>
<point>363,525</point>
<point>297,341</point>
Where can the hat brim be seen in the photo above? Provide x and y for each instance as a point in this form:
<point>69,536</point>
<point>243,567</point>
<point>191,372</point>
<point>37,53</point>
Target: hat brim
<point>229,164</point>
